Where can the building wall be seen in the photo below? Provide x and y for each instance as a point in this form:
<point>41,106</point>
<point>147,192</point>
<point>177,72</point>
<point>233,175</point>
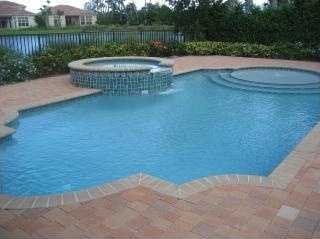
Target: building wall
<point>86,22</point>
<point>51,19</point>
<point>94,20</point>
<point>63,20</point>
<point>15,22</point>
<point>32,21</point>
<point>51,23</point>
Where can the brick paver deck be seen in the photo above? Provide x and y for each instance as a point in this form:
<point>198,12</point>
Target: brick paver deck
<point>236,211</point>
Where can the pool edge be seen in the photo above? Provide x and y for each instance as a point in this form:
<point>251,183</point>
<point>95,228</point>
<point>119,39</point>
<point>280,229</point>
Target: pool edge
<point>13,114</point>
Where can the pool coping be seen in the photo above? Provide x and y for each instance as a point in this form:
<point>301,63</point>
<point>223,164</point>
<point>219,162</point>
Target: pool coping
<point>82,65</point>
<point>280,177</point>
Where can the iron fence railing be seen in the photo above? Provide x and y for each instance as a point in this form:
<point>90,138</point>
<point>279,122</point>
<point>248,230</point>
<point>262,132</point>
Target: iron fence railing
<point>29,44</point>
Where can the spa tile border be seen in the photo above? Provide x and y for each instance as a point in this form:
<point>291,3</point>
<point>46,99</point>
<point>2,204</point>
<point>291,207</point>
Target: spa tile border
<point>279,178</point>
<point>83,64</point>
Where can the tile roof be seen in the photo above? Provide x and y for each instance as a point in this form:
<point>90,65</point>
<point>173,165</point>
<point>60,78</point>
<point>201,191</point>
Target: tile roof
<point>68,10</point>
<point>8,8</point>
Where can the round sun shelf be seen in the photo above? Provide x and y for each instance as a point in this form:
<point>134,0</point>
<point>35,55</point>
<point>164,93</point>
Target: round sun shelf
<point>277,76</point>
<point>272,79</point>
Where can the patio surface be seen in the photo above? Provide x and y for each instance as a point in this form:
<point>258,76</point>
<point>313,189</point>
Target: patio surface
<point>236,211</point>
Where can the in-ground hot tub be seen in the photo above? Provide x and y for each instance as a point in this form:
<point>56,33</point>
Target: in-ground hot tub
<point>123,75</point>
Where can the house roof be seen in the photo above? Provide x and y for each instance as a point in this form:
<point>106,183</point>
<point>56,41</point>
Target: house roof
<point>68,10</point>
<point>13,9</point>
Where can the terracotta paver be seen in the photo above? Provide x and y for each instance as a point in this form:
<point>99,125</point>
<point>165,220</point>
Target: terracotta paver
<point>236,211</point>
<point>188,63</point>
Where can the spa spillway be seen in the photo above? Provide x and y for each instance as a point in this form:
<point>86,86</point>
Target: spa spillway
<point>123,75</point>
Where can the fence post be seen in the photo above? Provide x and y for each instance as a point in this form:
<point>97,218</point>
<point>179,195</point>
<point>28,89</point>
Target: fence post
<point>79,36</point>
<point>39,43</point>
<point>113,36</point>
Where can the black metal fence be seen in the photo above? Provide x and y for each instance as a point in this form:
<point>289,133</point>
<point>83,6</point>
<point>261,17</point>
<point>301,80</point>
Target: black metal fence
<point>29,44</point>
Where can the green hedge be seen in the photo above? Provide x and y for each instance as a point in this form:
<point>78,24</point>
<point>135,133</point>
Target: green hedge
<point>279,51</point>
<point>54,60</point>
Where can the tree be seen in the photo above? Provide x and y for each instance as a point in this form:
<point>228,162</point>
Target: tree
<point>40,20</point>
<point>98,6</point>
<point>105,6</point>
<point>232,4</point>
<point>296,21</point>
<point>117,12</point>
<point>43,17</point>
<point>131,14</point>
<point>109,11</point>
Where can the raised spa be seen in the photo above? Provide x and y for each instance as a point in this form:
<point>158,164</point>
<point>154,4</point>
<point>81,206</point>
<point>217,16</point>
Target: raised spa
<point>123,75</point>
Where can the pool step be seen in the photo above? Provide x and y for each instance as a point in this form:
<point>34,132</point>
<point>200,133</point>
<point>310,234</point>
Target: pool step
<point>227,80</point>
<point>229,77</point>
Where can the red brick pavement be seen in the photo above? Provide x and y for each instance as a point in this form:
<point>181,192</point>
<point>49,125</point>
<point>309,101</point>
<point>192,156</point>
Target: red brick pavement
<point>230,211</point>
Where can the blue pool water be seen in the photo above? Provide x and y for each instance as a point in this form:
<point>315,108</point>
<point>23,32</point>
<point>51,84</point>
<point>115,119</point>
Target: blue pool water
<point>196,129</point>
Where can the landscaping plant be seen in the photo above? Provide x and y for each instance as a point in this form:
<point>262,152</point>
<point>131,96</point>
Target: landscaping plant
<point>15,67</point>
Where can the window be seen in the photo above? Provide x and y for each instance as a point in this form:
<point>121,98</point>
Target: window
<point>23,21</point>
<point>82,20</point>
<point>88,20</point>
<point>57,21</point>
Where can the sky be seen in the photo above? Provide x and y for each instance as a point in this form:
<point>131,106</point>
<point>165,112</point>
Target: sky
<point>34,5</point>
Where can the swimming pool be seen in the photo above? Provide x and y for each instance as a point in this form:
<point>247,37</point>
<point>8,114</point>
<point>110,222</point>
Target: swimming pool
<point>195,129</point>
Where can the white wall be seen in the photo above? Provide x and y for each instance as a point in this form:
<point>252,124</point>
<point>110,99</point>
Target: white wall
<point>94,20</point>
<point>15,24</point>
<point>32,22</point>
<point>51,20</point>
<point>63,20</point>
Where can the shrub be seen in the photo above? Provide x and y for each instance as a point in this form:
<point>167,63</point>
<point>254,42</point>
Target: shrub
<point>15,67</point>
<point>159,49</point>
<point>56,58</point>
<point>283,51</point>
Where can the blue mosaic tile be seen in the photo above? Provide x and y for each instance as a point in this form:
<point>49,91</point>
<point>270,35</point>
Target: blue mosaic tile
<point>124,82</point>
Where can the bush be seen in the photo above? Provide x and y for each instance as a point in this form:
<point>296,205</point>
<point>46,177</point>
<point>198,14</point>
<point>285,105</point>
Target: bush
<point>55,59</point>
<point>159,49</point>
<point>14,67</point>
<point>281,51</point>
